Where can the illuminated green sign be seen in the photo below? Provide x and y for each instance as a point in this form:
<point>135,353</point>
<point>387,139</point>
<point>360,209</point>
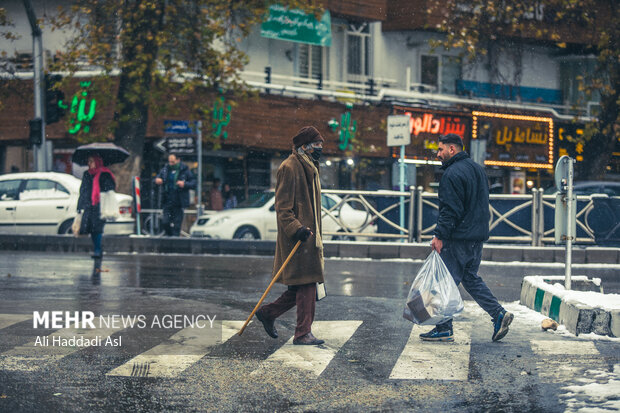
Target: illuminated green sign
<point>346,128</point>
<point>81,118</point>
<point>221,117</point>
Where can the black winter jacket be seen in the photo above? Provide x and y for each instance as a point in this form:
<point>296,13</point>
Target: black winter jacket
<point>463,201</point>
<point>180,196</point>
<point>91,218</point>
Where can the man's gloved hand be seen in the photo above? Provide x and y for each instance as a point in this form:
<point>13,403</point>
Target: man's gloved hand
<point>303,234</point>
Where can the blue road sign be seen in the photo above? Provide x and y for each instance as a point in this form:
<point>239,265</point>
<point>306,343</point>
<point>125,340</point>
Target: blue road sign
<point>183,127</point>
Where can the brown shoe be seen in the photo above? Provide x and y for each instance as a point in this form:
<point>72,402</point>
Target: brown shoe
<point>308,340</point>
<point>267,324</point>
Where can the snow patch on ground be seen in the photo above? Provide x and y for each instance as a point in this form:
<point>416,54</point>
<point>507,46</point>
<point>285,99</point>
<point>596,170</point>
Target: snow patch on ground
<point>601,394</point>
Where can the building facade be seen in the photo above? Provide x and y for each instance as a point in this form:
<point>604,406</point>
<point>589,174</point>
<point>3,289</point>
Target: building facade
<point>367,60</point>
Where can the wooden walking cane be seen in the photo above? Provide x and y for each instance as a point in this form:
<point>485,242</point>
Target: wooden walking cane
<point>270,285</point>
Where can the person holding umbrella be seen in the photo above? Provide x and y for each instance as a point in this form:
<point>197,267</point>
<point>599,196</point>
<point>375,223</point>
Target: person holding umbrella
<point>97,179</point>
<point>298,210</point>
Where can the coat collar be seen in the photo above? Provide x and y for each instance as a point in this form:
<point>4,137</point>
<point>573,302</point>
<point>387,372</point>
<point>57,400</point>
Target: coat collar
<point>458,157</point>
<point>309,171</point>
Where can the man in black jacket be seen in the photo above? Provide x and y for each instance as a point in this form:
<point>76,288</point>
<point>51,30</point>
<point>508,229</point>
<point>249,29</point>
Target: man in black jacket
<point>462,227</point>
<point>177,180</point>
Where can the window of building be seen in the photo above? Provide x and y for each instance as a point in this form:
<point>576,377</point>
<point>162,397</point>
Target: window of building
<point>310,60</point>
<point>358,52</point>
<point>450,74</point>
<point>570,71</point>
<point>440,73</point>
<point>429,71</point>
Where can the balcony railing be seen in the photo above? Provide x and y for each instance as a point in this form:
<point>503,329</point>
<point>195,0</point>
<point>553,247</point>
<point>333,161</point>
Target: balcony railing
<point>377,89</point>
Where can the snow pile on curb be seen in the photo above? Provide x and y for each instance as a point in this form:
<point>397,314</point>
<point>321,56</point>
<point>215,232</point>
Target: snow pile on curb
<point>580,311</point>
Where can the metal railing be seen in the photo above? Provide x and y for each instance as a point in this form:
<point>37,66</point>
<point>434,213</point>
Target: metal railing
<point>513,218</point>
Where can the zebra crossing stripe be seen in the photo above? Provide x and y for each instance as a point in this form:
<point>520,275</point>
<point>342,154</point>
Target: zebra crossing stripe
<point>424,360</point>
<point>313,359</point>
<point>554,368</point>
<point>7,320</point>
<point>33,356</point>
<point>180,351</point>
<point>564,347</point>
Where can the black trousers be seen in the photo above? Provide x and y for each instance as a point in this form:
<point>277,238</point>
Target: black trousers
<point>463,260</point>
<point>172,220</point>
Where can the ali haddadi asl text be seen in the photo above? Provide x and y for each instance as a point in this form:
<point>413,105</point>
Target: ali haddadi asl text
<point>78,341</point>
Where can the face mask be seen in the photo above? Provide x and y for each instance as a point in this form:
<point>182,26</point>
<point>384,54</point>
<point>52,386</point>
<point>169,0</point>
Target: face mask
<point>316,154</point>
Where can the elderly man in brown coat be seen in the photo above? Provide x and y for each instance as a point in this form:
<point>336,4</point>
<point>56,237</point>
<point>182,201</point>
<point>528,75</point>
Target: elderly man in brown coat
<point>298,209</point>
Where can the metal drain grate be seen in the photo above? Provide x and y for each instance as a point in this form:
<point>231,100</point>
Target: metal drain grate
<point>141,369</point>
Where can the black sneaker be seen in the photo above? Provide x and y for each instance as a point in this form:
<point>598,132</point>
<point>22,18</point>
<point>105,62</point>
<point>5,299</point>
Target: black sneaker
<point>436,335</point>
<point>500,325</point>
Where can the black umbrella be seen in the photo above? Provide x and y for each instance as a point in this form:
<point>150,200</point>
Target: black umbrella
<point>109,152</point>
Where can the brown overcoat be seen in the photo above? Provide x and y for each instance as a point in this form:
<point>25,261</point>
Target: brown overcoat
<point>294,209</point>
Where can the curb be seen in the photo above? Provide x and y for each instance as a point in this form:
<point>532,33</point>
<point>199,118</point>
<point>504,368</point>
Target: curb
<point>578,317</point>
<point>351,249</point>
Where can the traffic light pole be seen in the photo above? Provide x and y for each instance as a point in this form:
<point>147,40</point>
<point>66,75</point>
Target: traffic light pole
<point>40,151</point>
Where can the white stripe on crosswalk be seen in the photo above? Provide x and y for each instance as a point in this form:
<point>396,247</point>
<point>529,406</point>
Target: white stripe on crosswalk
<point>563,347</point>
<point>423,360</point>
<point>313,359</point>
<point>180,351</point>
<point>7,320</point>
<point>33,356</point>
<point>552,367</point>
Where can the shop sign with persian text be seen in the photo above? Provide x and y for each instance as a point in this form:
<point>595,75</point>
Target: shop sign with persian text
<point>515,140</point>
<point>427,126</point>
<point>297,26</point>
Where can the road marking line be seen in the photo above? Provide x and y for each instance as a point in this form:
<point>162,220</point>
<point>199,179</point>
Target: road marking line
<point>181,350</point>
<point>7,320</point>
<point>425,360</point>
<point>313,359</point>
<point>564,347</point>
<point>560,369</point>
<point>33,356</point>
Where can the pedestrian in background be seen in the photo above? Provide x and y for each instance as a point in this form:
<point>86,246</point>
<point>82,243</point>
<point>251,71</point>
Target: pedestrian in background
<point>462,227</point>
<point>95,180</point>
<point>298,211</point>
<point>177,180</point>
<point>215,196</point>
<point>230,200</point>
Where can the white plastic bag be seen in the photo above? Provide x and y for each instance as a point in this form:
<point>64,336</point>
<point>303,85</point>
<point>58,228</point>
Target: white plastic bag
<point>109,206</point>
<point>434,297</point>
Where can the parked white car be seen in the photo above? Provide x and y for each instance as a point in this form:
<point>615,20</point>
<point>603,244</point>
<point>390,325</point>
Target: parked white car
<point>46,203</point>
<point>255,218</point>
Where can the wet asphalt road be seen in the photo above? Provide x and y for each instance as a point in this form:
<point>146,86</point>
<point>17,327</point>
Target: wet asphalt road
<point>518,374</point>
